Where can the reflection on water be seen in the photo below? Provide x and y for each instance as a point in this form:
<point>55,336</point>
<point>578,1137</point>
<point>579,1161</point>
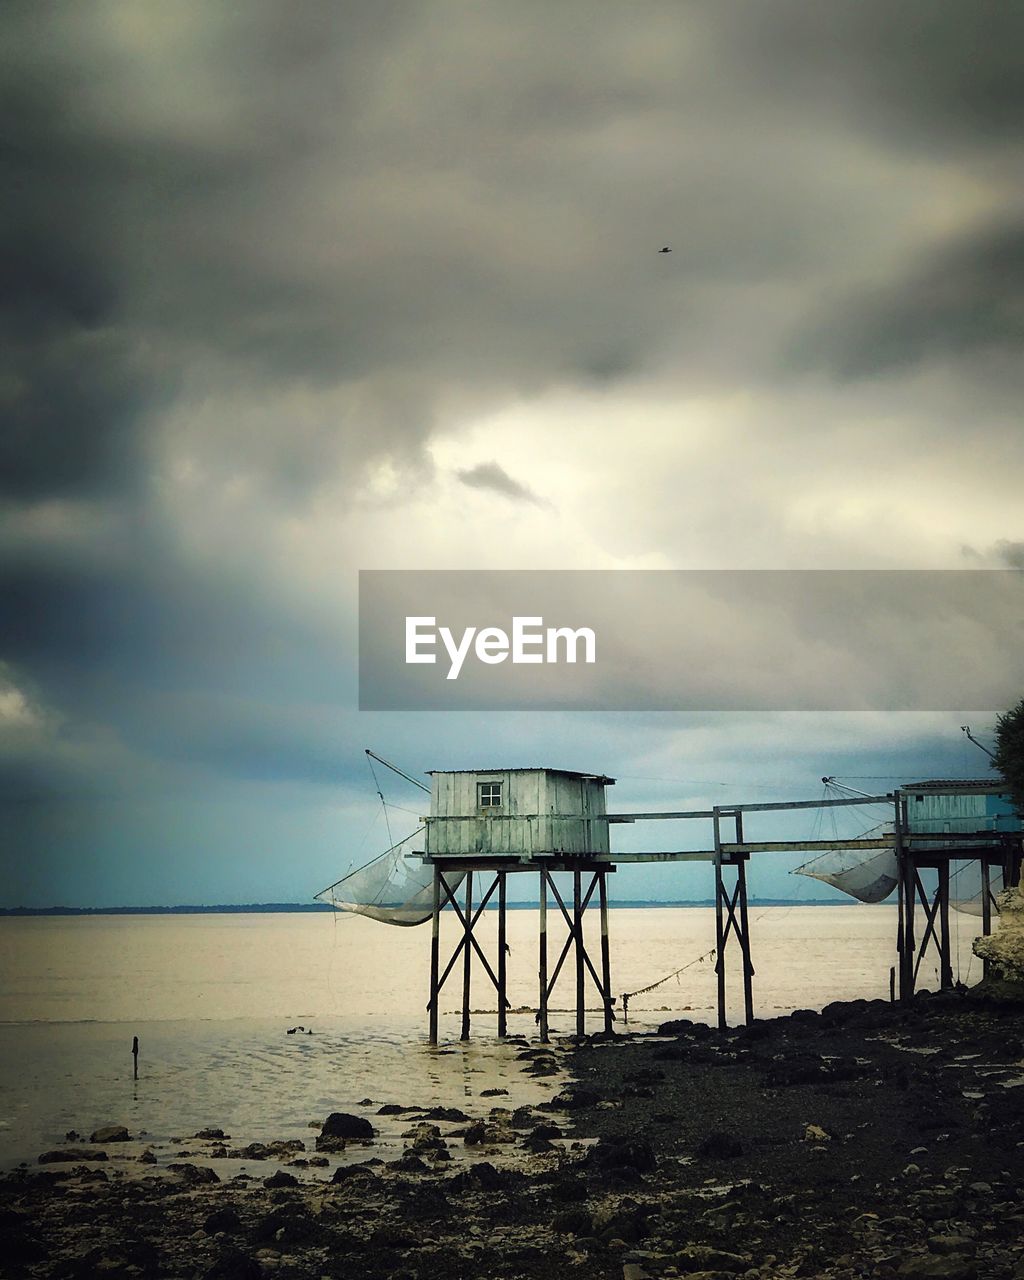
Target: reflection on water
<point>211,999</point>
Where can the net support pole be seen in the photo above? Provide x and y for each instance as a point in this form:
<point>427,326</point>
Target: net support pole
<point>606,963</point>
<point>945,965</point>
<point>502,1002</point>
<point>986,909</point>
<point>467,956</point>
<point>744,929</point>
<point>577,917</point>
<point>435,940</point>
<point>719,919</point>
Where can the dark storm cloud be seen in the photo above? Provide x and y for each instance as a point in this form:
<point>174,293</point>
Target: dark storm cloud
<point>962,300</point>
<point>489,475</point>
<point>246,199</point>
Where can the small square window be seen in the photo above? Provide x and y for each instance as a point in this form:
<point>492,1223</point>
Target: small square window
<point>490,795</point>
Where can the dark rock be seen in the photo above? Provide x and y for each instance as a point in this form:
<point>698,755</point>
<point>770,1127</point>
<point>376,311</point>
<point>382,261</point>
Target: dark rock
<point>573,1099</point>
<point>286,1225</point>
<point>68,1155</point>
<point>931,1267</point>
<point>480,1176</point>
<point>210,1133</point>
<point>493,1093</point>
<point>352,1173</point>
<point>409,1162</point>
<point>622,1152</point>
<point>393,1109</point>
<point>452,1115</point>
<point>20,1244</point>
<point>110,1133</point>
<point>677,1027</point>
<point>223,1220</point>
<point>719,1146</point>
<point>573,1222</point>
<point>280,1179</point>
<point>341,1125</point>
<point>194,1175</point>
<point>233,1264</point>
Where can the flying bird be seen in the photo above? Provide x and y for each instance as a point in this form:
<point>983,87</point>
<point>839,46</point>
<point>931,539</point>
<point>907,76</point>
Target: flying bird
<point>665,250</point>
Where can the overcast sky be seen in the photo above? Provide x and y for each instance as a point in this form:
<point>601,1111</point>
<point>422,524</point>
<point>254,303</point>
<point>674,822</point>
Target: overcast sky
<point>292,291</point>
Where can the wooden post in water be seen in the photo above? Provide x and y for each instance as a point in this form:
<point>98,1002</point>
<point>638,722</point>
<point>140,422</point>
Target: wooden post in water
<point>502,1002</point>
<point>467,959</point>
<point>606,963</point>
<point>435,927</point>
<point>719,922</point>
<point>542,1011</point>
<point>577,916</point>
<point>135,1057</point>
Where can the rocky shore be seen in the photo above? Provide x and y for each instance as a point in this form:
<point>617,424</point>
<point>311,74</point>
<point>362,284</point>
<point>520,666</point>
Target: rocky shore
<point>868,1140</point>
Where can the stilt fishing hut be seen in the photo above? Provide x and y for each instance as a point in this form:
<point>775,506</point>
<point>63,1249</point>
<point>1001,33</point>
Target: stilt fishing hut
<point>950,826</point>
<point>502,821</point>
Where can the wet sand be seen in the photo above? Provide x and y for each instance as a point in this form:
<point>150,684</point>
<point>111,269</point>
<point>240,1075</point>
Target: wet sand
<point>867,1140</point>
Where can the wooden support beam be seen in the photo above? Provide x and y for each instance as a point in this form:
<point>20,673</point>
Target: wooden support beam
<point>435,939</point>
<point>905,935</point>
<point>467,956</point>
<point>719,923</point>
<point>542,1011</point>
<point>945,965</point>
<point>744,931</point>
<point>729,809</point>
<point>577,912</point>
<point>606,966</point>
<point>986,911</point>
<point>502,949</point>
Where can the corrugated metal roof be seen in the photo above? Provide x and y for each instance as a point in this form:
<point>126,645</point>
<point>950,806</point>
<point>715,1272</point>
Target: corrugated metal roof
<point>535,768</point>
<point>958,784</point>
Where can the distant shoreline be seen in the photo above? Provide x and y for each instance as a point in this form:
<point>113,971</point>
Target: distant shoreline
<point>288,908</point>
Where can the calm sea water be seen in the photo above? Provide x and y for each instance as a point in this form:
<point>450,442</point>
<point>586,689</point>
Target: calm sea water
<point>211,998</point>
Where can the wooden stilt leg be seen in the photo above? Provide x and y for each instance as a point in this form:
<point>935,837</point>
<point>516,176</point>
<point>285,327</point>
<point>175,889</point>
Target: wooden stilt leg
<point>606,965</point>
<point>577,915</point>
<point>945,964</point>
<point>435,933</point>
<point>543,967</point>
<point>748,968</point>
<point>467,957</point>
<point>719,921</point>
<point>986,908</point>
<point>502,1002</point>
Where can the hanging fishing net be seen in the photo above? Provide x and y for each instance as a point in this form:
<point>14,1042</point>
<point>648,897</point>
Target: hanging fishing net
<point>966,888</point>
<point>869,875</point>
<point>396,887</point>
